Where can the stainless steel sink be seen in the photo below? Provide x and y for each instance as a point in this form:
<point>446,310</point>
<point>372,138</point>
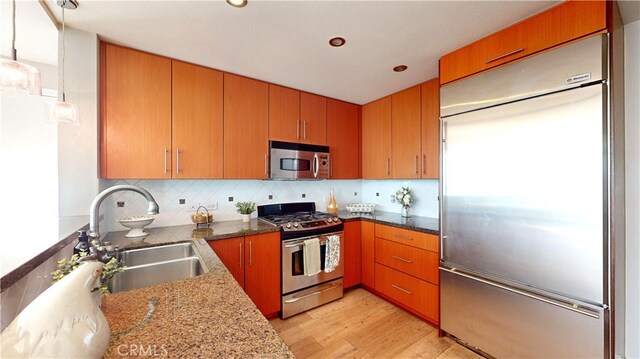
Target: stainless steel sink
<point>157,265</point>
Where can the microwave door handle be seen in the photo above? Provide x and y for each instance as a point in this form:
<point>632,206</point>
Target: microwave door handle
<point>316,165</point>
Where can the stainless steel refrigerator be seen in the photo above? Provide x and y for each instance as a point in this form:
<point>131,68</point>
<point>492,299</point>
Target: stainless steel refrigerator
<point>525,206</point>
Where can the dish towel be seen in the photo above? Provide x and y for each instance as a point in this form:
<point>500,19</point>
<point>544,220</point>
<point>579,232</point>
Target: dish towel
<point>311,256</point>
<point>332,257</point>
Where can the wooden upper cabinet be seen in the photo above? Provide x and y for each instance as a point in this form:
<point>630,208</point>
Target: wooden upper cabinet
<point>343,139</point>
<point>262,271</point>
<point>376,139</point>
<point>562,23</point>
<point>197,133</point>
<point>135,107</point>
<point>246,128</point>
<point>313,119</point>
<point>430,113</point>
<point>405,133</point>
<point>284,114</point>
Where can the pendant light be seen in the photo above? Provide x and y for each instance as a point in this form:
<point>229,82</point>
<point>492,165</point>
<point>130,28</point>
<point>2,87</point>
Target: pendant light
<point>62,111</point>
<point>17,76</point>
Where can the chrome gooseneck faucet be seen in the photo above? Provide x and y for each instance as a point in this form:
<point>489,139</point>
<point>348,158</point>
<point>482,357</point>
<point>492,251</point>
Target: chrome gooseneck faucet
<point>94,212</point>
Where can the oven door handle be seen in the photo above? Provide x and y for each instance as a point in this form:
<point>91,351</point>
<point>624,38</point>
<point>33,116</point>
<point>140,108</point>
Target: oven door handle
<point>320,290</point>
<point>301,243</point>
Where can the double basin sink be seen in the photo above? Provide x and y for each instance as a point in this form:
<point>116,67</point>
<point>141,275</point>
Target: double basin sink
<point>156,265</point>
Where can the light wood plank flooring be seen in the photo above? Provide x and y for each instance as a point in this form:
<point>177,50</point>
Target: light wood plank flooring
<point>361,325</point>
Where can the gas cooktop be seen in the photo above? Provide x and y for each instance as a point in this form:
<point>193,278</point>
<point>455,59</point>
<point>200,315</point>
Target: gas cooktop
<point>297,216</point>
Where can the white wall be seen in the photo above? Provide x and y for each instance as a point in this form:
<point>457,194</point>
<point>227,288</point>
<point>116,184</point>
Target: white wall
<point>425,194</point>
<point>78,145</point>
<point>632,179</point>
<point>29,181</point>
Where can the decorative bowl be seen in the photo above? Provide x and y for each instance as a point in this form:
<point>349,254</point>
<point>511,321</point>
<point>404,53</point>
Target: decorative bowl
<point>136,225</point>
<point>361,207</point>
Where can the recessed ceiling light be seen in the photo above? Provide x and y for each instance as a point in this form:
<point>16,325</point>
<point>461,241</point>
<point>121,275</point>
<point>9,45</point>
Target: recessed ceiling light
<point>400,68</point>
<point>237,3</point>
<point>337,41</point>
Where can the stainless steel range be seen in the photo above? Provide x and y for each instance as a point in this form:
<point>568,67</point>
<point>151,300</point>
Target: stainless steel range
<point>299,222</point>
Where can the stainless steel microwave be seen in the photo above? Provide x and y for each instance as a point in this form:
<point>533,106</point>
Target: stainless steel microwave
<point>291,161</point>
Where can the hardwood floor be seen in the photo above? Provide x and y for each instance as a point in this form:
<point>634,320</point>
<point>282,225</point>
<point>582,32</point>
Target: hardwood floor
<point>361,325</point>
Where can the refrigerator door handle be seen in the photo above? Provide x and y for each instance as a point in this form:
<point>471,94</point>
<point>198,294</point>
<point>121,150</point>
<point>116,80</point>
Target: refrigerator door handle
<point>574,307</point>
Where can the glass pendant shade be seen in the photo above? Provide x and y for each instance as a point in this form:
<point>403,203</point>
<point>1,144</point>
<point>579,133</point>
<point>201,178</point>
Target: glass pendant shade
<point>18,77</point>
<point>64,113</point>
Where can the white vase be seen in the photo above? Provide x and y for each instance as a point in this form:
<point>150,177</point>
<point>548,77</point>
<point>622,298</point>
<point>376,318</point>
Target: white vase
<point>406,212</point>
<point>246,218</point>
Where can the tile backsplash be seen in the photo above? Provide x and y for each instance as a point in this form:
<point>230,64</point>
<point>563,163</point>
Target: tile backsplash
<point>168,194</point>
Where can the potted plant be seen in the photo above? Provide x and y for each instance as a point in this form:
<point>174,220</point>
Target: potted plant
<point>406,199</point>
<point>245,209</point>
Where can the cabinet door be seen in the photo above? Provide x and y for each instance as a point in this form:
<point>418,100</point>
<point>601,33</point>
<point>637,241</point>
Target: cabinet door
<point>231,253</point>
<point>196,121</point>
<point>405,133</point>
<point>284,114</point>
<point>352,254</point>
<point>344,139</point>
<point>135,109</point>
<point>313,119</point>
<point>430,165</point>
<point>246,126</point>
<point>262,271</point>
<point>376,139</point>
<point>368,254</point>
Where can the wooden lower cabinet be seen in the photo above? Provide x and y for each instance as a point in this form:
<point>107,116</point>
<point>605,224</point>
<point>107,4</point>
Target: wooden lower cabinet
<point>368,258</point>
<point>262,272</point>
<point>417,295</point>
<point>402,266</point>
<point>230,253</point>
<point>352,254</point>
<point>254,261</point>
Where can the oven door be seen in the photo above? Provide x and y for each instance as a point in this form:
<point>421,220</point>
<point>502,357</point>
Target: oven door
<point>293,277</point>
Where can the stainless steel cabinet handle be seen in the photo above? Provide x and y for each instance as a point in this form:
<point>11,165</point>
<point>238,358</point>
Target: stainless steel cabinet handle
<point>324,289</point>
<point>424,170</point>
<point>177,160</point>
<point>165,160</point>
<point>574,307</point>
<point>404,237</point>
<point>298,129</point>
<point>416,164</point>
<point>240,259</point>
<point>250,253</point>
<point>504,55</point>
<point>388,165</point>
<point>401,289</point>
<point>304,128</point>
<point>402,259</point>
<point>266,165</point>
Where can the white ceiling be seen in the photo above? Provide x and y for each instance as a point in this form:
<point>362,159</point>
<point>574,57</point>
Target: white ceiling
<point>36,35</point>
<point>286,42</point>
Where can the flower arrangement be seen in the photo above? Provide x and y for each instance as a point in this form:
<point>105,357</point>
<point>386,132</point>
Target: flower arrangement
<point>66,266</point>
<point>405,198</point>
<point>245,207</point>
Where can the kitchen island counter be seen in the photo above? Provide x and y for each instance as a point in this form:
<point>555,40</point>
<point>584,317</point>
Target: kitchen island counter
<point>205,316</point>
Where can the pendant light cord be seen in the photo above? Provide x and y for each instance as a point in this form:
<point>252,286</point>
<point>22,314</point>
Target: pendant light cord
<point>14,55</point>
<point>63,53</point>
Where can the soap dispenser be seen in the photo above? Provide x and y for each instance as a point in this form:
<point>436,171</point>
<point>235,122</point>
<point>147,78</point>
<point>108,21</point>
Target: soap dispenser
<point>83,243</point>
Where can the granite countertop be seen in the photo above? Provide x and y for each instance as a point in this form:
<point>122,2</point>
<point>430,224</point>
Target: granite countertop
<point>205,316</point>
<point>414,223</point>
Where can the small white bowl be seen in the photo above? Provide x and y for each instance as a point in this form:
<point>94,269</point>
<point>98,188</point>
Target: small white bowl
<point>136,224</point>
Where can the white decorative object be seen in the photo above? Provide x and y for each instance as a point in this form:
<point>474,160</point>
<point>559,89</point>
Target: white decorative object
<point>137,224</point>
<point>361,207</point>
<point>246,217</point>
<point>62,322</point>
